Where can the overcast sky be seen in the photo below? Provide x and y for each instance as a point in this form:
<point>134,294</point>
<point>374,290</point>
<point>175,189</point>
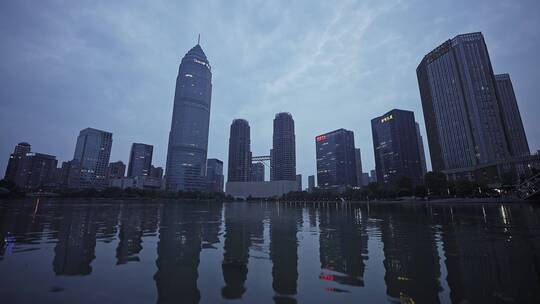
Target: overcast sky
<point>112,65</point>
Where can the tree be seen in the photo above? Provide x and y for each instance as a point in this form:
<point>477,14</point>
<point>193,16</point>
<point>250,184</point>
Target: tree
<point>436,183</point>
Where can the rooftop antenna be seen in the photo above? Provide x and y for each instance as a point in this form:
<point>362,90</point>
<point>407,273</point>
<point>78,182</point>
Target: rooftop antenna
<point>199,39</point>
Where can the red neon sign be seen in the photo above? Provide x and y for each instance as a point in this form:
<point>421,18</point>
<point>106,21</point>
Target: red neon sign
<point>320,138</point>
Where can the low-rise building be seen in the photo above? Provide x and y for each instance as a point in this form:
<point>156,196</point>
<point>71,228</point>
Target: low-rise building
<point>261,189</point>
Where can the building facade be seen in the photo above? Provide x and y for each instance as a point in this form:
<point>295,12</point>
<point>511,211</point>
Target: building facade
<point>15,159</point>
<point>299,181</point>
<point>283,153</point>
<point>461,105</point>
<point>214,175</point>
<point>116,170</point>
<point>188,138</point>
<point>358,162</point>
<point>517,140</point>
<point>257,172</point>
<point>36,171</point>
<point>336,163</point>
<point>395,145</point>
<point>156,172</point>
<point>421,149</point>
<point>239,152</point>
<point>140,160</point>
<point>311,183</point>
<point>92,154</point>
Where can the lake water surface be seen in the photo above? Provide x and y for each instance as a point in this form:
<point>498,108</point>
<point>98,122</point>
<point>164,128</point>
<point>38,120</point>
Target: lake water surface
<point>61,251</point>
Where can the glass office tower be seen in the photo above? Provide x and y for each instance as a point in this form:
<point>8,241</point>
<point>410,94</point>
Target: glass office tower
<point>92,154</point>
<point>462,110</point>
<point>188,138</point>
<point>396,149</point>
<point>283,154</point>
<point>239,152</point>
<point>517,140</point>
<point>140,160</point>
<point>336,161</point>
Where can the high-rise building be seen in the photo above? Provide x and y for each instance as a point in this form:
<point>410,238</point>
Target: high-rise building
<point>365,178</point>
<point>214,175</point>
<point>462,110</point>
<point>395,145</point>
<point>188,138</point>
<point>421,149</point>
<point>71,175</point>
<point>21,149</point>
<point>311,183</point>
<point>336,164</point>
<point>257,172</point>
<point>372,176</point>
<point>517,140</point>
<point>140,160</point>
<point>156,172</point>
<point>299,181</point>
<point>283,154</point>
<point>239,152</point>
<point>116,170</point>
<point>36,171</point>
<point>92,154</point>
<point>358,162</point>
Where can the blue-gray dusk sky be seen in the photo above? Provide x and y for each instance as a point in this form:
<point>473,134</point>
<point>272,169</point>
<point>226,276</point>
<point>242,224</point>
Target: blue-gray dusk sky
<point>112,65</point>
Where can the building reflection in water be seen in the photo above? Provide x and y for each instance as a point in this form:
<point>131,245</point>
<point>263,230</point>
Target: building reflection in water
<point>343,244</point>
<point>75,248</point>
<point>285,221</point>
<point>136,221</point>
<point>502,266</point>
<point>179,247</point>
<point>432,253</point>
<point>411,259</point>
<point>243,227</point>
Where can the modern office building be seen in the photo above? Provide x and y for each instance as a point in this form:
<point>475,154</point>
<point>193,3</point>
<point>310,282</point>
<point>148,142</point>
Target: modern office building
<point>365,178</point>
<point>299,181</point>
<point>358,162</point>
<point>15,159</point>
<point>421,149</point>
<point>395,145</point>
<point>239,152</point>
<point>214,175</point>
<point>461,106</point>
<point>336,162</point>
<point>188,138</point>
<point>517,140</point>
<point>116,170</point>
<point>156,172</point>
<point>283,153</point>
<point>36,171</point>
<point>140,160</point>
<point>311,183</point>
<point>257,172</point>
<point>70,176</point>
<point>372,176</point>
<point>92,153</point>
<point>472,119</point>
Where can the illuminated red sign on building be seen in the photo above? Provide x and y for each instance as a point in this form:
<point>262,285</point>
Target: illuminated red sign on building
<point>320,138</point>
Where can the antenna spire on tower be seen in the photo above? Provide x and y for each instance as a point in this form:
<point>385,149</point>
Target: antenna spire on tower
<point>199,39</point>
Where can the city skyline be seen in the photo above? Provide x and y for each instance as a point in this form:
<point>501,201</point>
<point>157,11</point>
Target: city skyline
<point>354,105</point>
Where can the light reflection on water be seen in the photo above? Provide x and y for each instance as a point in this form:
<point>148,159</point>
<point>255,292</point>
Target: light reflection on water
<point>94,251</point>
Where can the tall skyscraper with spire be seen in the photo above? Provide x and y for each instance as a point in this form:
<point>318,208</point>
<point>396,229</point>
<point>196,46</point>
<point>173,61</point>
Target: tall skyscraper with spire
<point>188,138</point>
